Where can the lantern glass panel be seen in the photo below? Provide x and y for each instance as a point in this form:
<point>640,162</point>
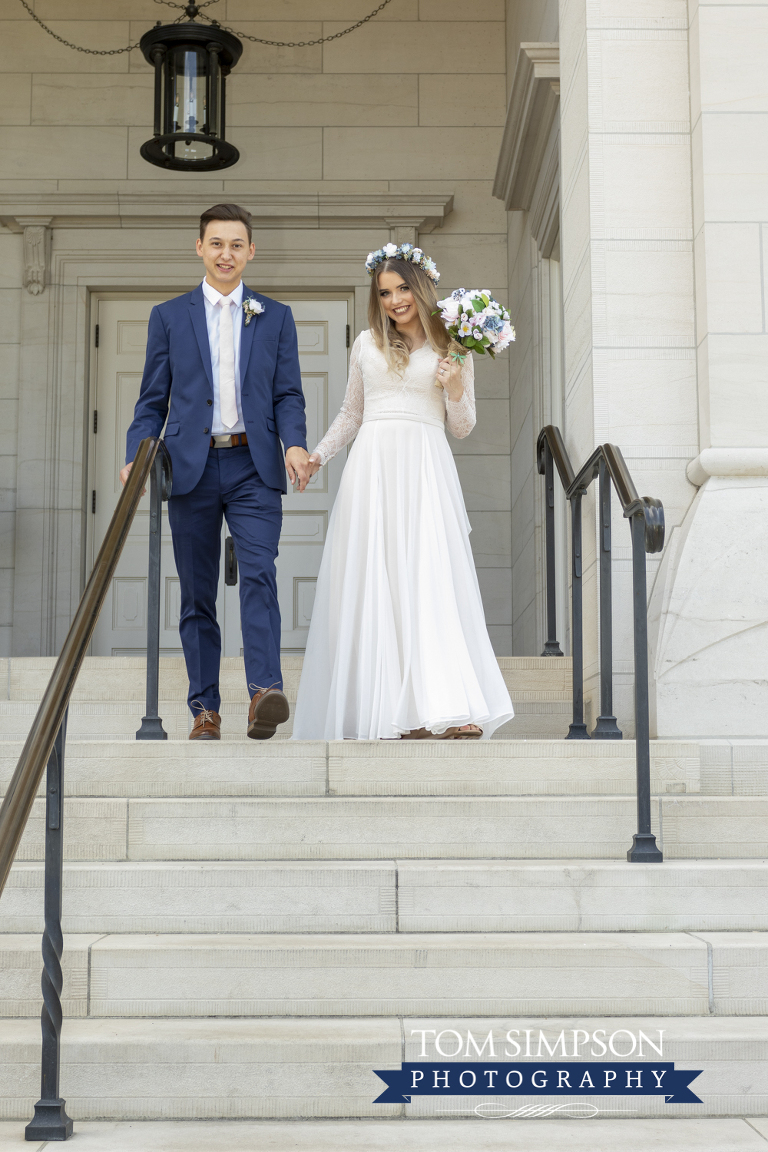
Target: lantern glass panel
<point>189,97</point>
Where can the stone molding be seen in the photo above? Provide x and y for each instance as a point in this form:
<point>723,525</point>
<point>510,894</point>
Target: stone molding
<point>37,252</point>
<point>533,104</point>
<point>544,215</point>
<point>404,215</point>
<point>727,462</point>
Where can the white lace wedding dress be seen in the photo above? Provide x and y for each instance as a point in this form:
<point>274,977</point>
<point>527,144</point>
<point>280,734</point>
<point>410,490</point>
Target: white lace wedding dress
<point>398,638</point>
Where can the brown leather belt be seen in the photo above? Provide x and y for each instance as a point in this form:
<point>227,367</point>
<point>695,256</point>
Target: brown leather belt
<point>233,440</point>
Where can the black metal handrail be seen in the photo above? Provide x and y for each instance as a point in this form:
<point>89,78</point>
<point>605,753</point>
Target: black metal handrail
<point>45,746</point>
<point>646,518</point>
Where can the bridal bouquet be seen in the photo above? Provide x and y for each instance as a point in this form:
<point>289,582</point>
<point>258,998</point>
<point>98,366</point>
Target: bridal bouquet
<point>476,321</point>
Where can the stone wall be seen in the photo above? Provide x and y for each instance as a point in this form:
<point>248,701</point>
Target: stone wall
<point>409,105</point>
<point>10,292</point>
<point>532,23</point>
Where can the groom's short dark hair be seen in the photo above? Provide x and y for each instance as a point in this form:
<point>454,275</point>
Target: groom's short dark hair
<point>226,212</point>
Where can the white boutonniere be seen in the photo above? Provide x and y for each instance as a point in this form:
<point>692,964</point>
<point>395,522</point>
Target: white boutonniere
<point>251,307</point>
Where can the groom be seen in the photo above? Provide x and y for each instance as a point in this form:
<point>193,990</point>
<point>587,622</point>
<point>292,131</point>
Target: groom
<point>226,361</point>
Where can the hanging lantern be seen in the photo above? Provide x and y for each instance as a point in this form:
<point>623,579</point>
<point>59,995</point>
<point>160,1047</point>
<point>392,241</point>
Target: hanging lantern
<point>191,64</point>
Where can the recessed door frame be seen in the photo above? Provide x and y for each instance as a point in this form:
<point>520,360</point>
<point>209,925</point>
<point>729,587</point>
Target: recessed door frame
<point>55,379</point>
<point>91,543</point>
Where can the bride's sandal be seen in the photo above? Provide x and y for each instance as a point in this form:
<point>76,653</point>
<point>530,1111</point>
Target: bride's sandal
<point>417,734</point>
<point>472,733</point>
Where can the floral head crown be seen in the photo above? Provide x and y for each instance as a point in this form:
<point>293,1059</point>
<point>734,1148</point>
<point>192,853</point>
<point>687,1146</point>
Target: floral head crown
<point>403,252</point>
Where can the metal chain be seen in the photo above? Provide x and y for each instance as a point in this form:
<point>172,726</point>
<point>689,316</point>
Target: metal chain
<point>300,43</point>
<point>205,4</point>
<point>187,7</point>
<point>77,47</point>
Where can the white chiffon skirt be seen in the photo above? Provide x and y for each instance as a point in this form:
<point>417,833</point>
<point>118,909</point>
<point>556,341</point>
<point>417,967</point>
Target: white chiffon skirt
<point>398,639</point>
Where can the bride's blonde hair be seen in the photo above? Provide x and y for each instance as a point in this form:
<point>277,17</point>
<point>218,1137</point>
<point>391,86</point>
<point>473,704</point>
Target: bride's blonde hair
<point>384,333</point>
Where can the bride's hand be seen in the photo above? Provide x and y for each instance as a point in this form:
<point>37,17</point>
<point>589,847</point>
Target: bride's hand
<point>449,378</point>
<point>314,464</point>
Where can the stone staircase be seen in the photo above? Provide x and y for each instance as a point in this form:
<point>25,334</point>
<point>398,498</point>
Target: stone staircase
<point>252,928</point>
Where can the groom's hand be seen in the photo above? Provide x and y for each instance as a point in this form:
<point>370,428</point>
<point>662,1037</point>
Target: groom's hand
<point>298,466</point>
<point>125,473</point>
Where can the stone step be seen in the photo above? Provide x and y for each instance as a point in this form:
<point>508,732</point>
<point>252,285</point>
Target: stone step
<point>396,895</point>
<point>365,768</point>
<point>565,1134</point>
<point>535,718</point>
<point>149,1069</point>
<point>367,828</point>
<point>108,700</point>
<point>450,974</point>
<point>118,678</point>
<point>248,896</point>
<point>185,768</point>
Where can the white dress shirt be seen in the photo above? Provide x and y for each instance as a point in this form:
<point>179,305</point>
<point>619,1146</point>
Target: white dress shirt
<point>213,319</point>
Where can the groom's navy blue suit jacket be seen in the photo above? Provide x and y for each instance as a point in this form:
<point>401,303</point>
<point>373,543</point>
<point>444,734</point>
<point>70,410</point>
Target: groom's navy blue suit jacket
<point>178,369</point>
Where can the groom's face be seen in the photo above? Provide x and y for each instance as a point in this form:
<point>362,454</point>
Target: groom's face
<point>225,250</point>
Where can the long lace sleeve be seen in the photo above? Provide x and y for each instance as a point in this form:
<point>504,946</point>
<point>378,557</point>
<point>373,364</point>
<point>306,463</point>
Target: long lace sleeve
<point>347,424</point>
<point>460,415</point>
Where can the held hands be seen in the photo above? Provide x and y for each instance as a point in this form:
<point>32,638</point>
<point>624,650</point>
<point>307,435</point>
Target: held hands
<point>449,378</point>
<point>300,466</point>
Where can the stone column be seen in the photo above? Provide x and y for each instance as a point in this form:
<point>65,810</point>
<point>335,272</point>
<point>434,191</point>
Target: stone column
<point>628,276</point>
<point>711,661</point>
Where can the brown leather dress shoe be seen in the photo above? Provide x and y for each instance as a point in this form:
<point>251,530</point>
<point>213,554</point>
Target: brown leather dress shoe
<point>269,707</point>
<point>207,725</point>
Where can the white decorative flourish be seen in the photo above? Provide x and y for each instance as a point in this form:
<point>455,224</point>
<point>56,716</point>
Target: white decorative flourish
<point>576,1110</point>
<point>251,307</point>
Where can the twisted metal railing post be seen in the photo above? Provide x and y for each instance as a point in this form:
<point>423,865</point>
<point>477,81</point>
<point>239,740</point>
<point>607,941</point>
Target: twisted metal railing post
<point>551,647</point>
<point>577,729</point>
<point>644,849</point>
<point>606,727</point>
<point>159,490</point>
<point>50,1121</point>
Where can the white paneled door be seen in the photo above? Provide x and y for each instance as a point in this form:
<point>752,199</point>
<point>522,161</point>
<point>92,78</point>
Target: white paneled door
<point>121,630</point>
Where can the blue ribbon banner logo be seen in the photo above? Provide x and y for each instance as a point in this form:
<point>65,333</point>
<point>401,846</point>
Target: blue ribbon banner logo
<point>531,1079</point>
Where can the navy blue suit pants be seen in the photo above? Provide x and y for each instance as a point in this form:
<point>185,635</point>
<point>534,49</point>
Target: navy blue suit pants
<point>230,486</point>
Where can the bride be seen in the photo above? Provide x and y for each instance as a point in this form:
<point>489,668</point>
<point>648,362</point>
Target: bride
<point>398,645</point>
